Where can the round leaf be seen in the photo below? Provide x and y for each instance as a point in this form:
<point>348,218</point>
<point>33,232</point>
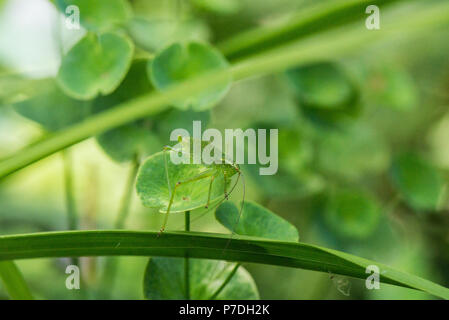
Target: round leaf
<point>418,181</point>
<point>321,85</point>
<point>156,34</point>
<point>391,87</point>
<point>352,214</point>
<point>165,280</point>
<point>99,14</point>
<point>182,61</point>
<point>126,142</point>
<point>255,221</point>
<point>352,152</point>
<point>154,189</point>
<point>325,92</point>
<point>52,109</point>
<point>96,64</point>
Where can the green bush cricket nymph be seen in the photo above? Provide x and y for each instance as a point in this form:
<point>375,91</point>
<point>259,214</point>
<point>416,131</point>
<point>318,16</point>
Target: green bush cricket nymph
<point>174,188</point>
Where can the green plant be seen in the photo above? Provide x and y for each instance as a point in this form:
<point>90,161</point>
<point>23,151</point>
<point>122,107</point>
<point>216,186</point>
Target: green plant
<point>129,92</point>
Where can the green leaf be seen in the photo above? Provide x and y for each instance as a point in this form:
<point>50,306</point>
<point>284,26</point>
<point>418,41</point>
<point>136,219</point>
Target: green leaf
<point>95,65</point>
<point>164,280</point>
<point>293,179</point>
<point>352,214</point>
<point>321,85</point>
<point>156,34</point>
<point>255,221</point>
<point>99,14</point>
<point>183,61</point>
<point>154,189</point>
<point>391,87</point>
<point>13,280</point>
<point>325,93</point>
<point>17,88</point>
<point>203,246</point>
<point>52,109</point>
<point>418,181</point>
<point>285,184</point>
<point>126,142</point>
<point>351,152</point>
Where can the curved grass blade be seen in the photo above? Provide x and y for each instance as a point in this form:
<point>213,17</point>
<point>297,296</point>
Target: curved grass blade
<point>206,246</point>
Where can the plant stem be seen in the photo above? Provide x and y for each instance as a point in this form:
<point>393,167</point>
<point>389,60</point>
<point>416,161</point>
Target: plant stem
<point>311,20</point>
<point>186,259</point>
<point>72,216</point>
<point>223,285</point>
<point>110,268</point>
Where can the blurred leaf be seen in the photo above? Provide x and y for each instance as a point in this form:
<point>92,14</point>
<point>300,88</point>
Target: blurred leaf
<point>285,184</point>
<point>182,61</point>
<point>218,6</point>
<point>15,87</point>
<point>324,91</point>
<point>156,34</point>
<point>13,280</point>
<point>164,280</point>
<point>95,65</point>
<point>391,87</point>
<point>418,181</point>
<point>154,189</point>
<point>295,149</point>
<point>99,14</point>
<point>52,109</point>
<point>351,152</point>
<point>172,119</point>
<point>255,221</point>
<point>352,214</point>
<point>294,179</point>
<point>126,142</point>
<point>262,102</point>
<point>322,86</point>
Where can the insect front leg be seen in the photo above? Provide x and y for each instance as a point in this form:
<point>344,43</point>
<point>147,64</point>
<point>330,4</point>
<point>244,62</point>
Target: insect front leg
<point>225,180</point>
<point>200,176</point>
<point>210,191</point>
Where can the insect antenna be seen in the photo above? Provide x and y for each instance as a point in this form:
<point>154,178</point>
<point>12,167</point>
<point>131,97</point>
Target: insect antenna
<point>166,170</point>
<point>240,211</point>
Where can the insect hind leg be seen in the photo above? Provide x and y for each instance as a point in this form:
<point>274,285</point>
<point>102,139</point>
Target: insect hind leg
<point>198,177</point>
<point>210,191</point>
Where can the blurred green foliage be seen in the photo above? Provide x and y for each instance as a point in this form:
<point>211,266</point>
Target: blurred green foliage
<point>362,166</point>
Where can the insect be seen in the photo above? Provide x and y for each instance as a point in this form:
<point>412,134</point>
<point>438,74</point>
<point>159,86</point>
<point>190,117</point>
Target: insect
<point>182,187</point>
